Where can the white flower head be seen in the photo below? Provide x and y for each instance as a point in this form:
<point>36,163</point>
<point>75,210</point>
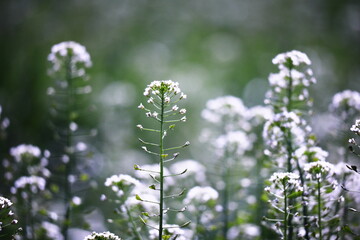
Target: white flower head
<point>344,100</point>
<point>25,150</point>
<point>319,169</point>
<point>285,180</point>
<point>71,52</point>
<point>102,236</point>
<point>356,127</point>
<point>33,183</point>
<point>295,57</point>
<point>5,203</point>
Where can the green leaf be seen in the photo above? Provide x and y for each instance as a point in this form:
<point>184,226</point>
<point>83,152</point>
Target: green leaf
<point>166,237</point>
<point>295,194</point>
<point>138,197</point>
<point>145,214</point>
<point>152,187</point>
<point>136,167</point>
<point>84,177</point>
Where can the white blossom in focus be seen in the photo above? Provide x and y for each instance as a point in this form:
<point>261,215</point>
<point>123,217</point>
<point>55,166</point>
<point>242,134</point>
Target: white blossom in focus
<point>102,236</point>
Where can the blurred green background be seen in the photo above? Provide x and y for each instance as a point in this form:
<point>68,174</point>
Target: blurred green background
<point>211,47</point>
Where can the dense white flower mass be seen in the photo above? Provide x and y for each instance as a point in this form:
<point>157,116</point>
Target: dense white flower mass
<point>201,195</point>
<point>276,131</point>
<point>344,100</point>
<point>296,57</point>
<point>34,183</point>
<point>163,86</point>
<point>306,154</point>
<point>193,168</point>
<point>356,127</point>
<point>119,182</point>
<point>234,142</point>
<point>294,76</point>
<point>227,110</point>
<point>172,230</point>
<point>71,52</point>
<point>102,236</point>
<point>284,180</point>
<point>319,169</point>
<point>25,150</point>
<point>5,203</point>
<point>52,231</point>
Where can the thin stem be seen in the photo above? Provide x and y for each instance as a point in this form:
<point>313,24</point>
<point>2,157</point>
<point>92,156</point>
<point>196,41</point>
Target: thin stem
<point>226,203</point>
<point>319,207</point>
<point>137,234</point>
<point>285,214</point>
<point>68,165</point>
<point>161,150</point>
<point>289,146</point>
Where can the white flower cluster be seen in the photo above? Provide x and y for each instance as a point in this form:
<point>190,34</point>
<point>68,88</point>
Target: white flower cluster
<point>162,94</point>
<point>172,230</point>
<point>285,180</point>
<point>294,75</point>
<point>163,86</point>
<point>5,203</point>
<point>25,150</point>
<point>102,236</point>
<point>194,168</point>
<point>276,131</point>
<point>306,154</point>
<point>356,127</point>
<point>318,170</point>
<point>344,100</point>
<point>227,110</point>
<point>234,142</point>
<point>34,183</point>
<point>201,195</point>
<point>71,52</point>
<point>52,231</point>
<point>119,182</point>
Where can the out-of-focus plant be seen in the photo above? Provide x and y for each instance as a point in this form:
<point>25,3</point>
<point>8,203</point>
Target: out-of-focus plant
<point>163,97</point>
<point>69,106</point>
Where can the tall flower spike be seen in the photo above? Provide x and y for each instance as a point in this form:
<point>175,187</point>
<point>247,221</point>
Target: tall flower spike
<point>69,102</point>
<point>163,97</point>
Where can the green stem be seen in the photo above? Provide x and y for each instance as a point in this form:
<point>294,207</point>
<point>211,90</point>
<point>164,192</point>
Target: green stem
<point>226,203</point>
<point>137,234</point>
<point>161,146</point>
<point>285,214</point>
<point>68,165</point>
<point>319,207</point>
<point>289,146</point>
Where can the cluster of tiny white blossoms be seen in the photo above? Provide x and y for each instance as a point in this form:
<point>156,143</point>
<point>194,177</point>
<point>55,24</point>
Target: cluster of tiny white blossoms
<point>236,142</point>
<point>33,183</point>
<point>118,183</point>
<point>69,53</point>
<point>5,203</point>
<point>346,100</point>
<point>318,170</point>
<point>294,73</point>
<point>194,168</point>
<point>201,195</point>
<point>25,150</point>
<point>225,111</point>
<point>175,231</point>
<point>163,92</point>
<point>355,128</point>
<point>52,230</point>
<point>102,236</point>
<point>284,181</point>
<point>310,153</point>
<point>276,129</point>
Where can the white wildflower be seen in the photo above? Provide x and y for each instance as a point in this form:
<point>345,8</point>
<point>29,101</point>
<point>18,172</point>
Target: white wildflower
<point>25,150</point>
<point>102,236</point>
